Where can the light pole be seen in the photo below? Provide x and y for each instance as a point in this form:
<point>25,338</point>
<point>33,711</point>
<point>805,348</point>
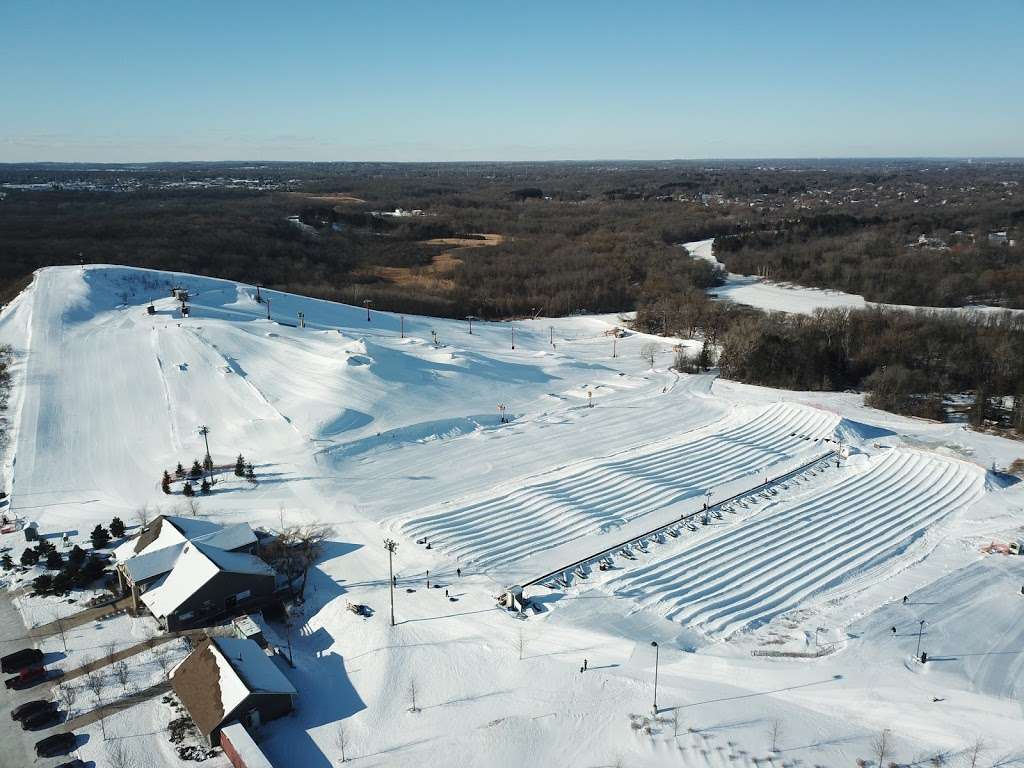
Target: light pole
<point>471,318</point>
<point>391,546</point>
<point>401,325</point>
<point>268,307</point>
<point>654,709</point>
<point>513,337</point>
<point>208,461</point>
<point>920,631</point>
<point>367,303</point>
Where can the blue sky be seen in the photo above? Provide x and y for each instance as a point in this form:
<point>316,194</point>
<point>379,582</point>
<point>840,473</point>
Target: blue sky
<point>182,80</point>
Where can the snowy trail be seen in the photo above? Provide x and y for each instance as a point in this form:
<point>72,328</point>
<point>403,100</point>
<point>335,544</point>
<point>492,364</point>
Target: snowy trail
<point>604,496</point>
<point>793,550</point>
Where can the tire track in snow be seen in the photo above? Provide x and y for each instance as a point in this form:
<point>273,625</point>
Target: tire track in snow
<point>606,494</point>
<point>750,574</point>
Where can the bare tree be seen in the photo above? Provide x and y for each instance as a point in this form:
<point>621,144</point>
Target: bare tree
<point>110,650</point>
<point>974,751</point>
<point>648,351</point>
<point>774,734</point>
<point>881,746</point>
<point>123,674</point>
<point>68,694</point>
<point>119,755</point>
<point>61,631</point>
<point>341,741</point>
<point>412,695</point>
<point>162,659</point>
<point>143,515</point>
<point>296,549</point>
<point>94,683</point>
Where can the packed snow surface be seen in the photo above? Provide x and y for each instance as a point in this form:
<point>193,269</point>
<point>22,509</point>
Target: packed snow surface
<point>780,610</point>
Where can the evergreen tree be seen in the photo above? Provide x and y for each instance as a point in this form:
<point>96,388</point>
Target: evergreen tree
<point>62,582</point>
<point>179,471</point>
<point>6,561</point>
<point>187,490</point>
<point>54,561</point>
<point>208,463</point>
<point>197,470</point>
<point>165,483</point>
<point>45,547</point>
<point>240,466</point>
<point>204,488</point>
<point>29,557</point>
<point>117,527</point>
<point>250,473</point>
<point>42,583</point>
<point>77,556</point>
<point>100,537</point>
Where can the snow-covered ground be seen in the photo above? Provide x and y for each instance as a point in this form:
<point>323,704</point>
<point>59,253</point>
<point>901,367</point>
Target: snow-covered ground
<point>349,423</point>
<point>773,296</point>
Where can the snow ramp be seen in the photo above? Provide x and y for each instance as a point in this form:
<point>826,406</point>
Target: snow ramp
<point>836,537</point>
<point>602,495</point>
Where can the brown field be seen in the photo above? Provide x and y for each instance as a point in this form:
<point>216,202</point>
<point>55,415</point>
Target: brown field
<point>435,275</point>
<point>330,198</point>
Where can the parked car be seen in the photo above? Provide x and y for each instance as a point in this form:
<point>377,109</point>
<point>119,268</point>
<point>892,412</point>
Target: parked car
<point>17,661</point>
<point>26,677</point>
<point>30,708</point>
<point>38,719</point>
<point>58,744</point>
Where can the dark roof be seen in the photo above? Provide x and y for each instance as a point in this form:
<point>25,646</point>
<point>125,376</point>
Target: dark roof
<point>197,682</point>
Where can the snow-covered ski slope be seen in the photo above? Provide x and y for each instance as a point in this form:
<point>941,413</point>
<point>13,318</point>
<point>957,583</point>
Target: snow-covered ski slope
<point>381,436</point>
<point>601,496</point>
<point>795,549</point>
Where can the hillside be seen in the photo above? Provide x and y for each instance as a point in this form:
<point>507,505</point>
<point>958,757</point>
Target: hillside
<point>390,427</point>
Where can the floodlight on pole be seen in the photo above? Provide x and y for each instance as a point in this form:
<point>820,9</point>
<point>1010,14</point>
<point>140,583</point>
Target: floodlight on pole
<point>654,709</point>
<point>920,631</point>
<point>367,303</point>
<point>268,307</point>
<point>391,546</point>
<point>471,318</point>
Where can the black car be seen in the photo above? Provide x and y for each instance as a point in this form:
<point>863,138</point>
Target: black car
<point>30,708</point>
<point>58,744</point>
<point>17,661</point>
<point>39,719</point>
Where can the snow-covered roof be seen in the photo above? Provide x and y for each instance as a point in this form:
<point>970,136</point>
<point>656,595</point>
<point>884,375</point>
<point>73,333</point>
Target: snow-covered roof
<point>152,563</point>
<point>252,756</point>
<point>196,565</point>
<point>161,553</point>
<point>244,669</point>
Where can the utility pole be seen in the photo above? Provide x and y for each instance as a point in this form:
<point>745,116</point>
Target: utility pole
<point>391,546</point>
<point>367,303</point>
<point>920,631</point>
<point>654,709</point>
<point>208,460</point>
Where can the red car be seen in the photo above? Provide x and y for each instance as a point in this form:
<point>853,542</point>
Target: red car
<point>26,677</point>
